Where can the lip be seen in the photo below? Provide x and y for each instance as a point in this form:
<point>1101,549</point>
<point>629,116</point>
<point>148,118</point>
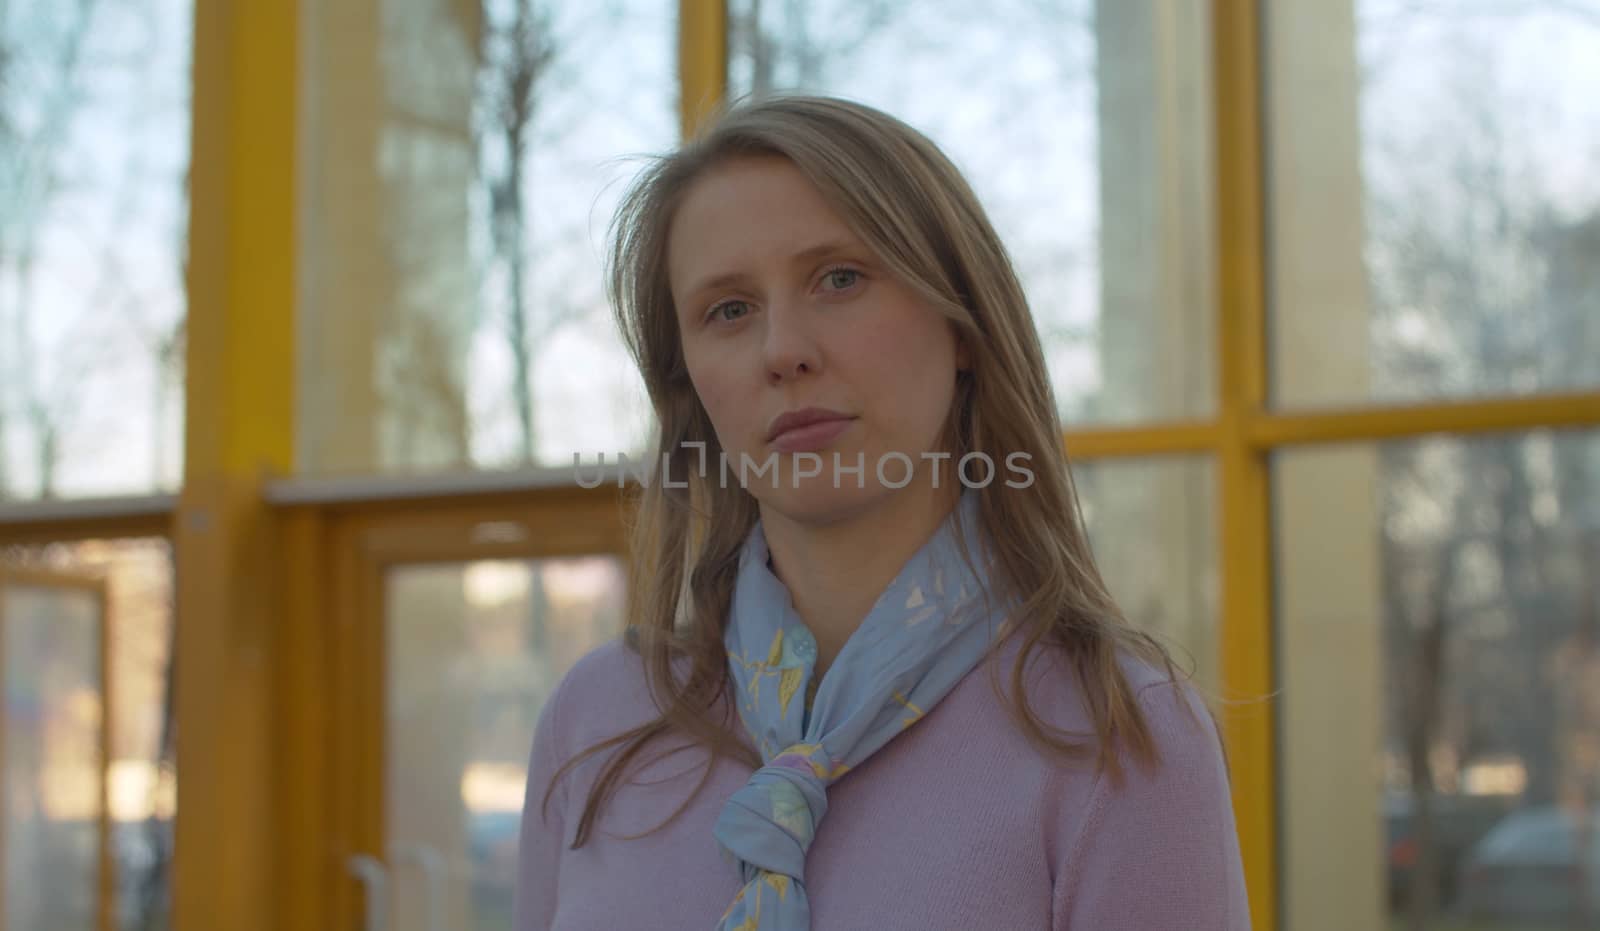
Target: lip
<point>810,427</point>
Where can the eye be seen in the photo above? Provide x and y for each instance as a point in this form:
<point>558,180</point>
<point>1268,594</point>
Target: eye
<point>717,312</point>
<point>841,277</point>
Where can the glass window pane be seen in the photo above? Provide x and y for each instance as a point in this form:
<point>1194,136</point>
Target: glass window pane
<point>94,155</point>
<point>474,650</point>
<point>463,161</point>
<point>142,778</point>
<point>1084,127</point>
<point>1153,526</point>
<point>50,637</point>
<point>1439,625</point>
<point>1434,208</point>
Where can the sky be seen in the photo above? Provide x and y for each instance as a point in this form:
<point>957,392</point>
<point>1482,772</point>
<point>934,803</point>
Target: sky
<point>106,279</point>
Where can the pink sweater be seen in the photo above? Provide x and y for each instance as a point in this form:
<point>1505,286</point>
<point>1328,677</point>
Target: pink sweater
<point>959,823</point>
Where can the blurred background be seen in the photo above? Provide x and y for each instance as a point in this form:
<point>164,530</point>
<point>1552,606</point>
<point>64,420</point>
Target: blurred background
<point>302,326</point>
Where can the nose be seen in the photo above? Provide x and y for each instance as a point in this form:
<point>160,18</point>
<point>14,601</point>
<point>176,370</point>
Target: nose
<point>791,348</point>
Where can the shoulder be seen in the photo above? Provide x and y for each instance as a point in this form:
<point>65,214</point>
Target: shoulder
<point>605,690</point>
<point>1166,825</point>
<point>1172,708</point>
<point>1184,736</point>
<point>603,670</point>
<point>1098,793</point>
<point>1186,776</point>
<point>602,695</point>
<point>605,694</point>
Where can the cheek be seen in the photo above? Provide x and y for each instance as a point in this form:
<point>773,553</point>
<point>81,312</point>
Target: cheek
<point>932,390</point>
<point>721,399</point>
<point>912,370</point>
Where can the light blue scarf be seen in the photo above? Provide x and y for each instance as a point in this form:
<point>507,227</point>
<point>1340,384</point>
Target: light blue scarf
<point>928,629</point>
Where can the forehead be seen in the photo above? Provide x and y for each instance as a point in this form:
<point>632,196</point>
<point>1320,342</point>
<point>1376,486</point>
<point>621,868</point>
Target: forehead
<point>744,211</point>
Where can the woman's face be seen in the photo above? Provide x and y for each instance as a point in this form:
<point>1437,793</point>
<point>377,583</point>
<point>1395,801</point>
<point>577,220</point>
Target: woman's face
<point>781,309</point>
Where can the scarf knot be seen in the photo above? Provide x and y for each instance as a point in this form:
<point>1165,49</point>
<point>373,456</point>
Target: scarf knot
<point>768,825</point>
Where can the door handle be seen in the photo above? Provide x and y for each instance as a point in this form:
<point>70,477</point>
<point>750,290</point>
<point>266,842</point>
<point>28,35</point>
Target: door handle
<point>374,879</point>
<point>432,866</point>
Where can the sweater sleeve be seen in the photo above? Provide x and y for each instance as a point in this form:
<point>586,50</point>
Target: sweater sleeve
<point>1160,850</point>
<point>543,827</point>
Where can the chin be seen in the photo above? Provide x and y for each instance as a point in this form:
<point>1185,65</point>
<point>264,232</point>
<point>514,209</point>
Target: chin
<point>817,501</point>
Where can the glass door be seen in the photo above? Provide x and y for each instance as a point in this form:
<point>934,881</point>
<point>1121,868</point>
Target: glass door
<point>473,650</point>
<point>54,828</point>
<point>450,631</point>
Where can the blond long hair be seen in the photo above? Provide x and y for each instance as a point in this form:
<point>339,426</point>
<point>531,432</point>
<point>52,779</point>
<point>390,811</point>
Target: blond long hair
<point>912,207</point>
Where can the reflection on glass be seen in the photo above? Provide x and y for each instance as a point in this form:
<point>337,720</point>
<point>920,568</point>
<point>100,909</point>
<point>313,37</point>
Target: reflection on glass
<point>50,636</point>
<point>1437,223</point>
<point>1153,526</point>
<point>474,650</point>
<point>1083,127</point>
<point>94,149</point>
<point>1443,698</point>
<point>466,158</point>
<point>141,786</point>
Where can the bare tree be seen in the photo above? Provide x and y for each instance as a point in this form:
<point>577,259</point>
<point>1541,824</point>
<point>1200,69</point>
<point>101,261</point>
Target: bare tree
<point>7,144</point>
<point>49,377</point>
<point>34,183</point>
<point>1468,297</point>
<point>780,48</point>
<point>516,58</point>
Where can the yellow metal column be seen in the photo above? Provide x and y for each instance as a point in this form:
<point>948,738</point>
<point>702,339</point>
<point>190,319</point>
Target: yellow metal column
<point>239,429</point>
<point>702,59</point>
<point>1246,611</point>
<point>304,703</point>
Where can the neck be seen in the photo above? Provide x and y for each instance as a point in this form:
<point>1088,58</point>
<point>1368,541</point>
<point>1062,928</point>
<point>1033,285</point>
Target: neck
<point>836,571</point>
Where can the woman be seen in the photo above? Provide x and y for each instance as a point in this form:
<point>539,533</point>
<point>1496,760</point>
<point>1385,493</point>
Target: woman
<point>872,677</point>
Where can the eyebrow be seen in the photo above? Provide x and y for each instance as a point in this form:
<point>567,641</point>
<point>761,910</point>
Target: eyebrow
<point>809,254</point>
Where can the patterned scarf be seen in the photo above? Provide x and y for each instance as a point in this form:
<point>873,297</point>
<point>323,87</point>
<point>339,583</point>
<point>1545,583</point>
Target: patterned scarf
<point>928,629</point>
